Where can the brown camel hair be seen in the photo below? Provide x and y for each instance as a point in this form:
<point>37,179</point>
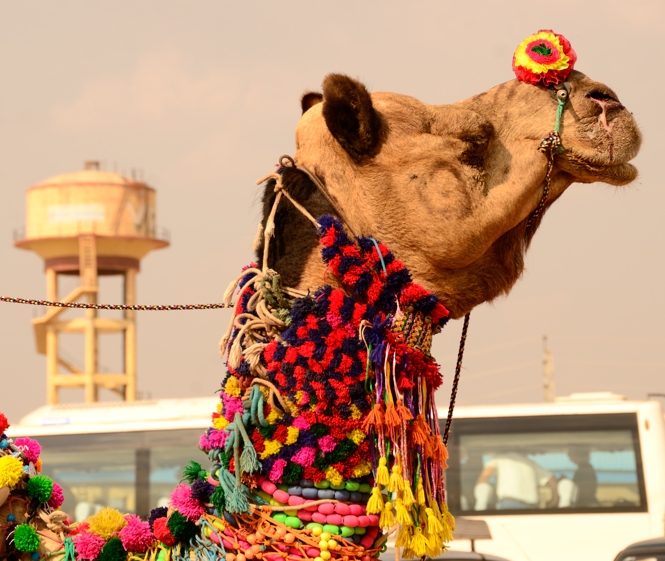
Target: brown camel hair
<point>448,188</point>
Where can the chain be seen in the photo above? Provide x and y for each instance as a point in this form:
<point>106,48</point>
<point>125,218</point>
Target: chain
<point>135,307</point>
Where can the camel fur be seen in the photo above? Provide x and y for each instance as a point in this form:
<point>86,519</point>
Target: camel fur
<point>448,188</point>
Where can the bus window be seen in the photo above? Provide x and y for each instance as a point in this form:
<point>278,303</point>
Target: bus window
<point>131,471</point>
<point>504,465</point>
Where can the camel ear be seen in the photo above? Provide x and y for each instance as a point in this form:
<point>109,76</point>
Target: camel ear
<point>309,100</point>
<point>350,116</point>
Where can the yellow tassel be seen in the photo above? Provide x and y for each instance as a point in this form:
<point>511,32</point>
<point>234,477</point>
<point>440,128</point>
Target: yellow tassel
<point>375,503</point>
<point>422,519</point>
<point>403,516</point>
<point>448,522</point>
<point>382,476</point>
<point>408,553</point>
<point>396,482</point>
<point>435,546</point>
<point>419,543</point>
<point>420,492</point>
<point>404,538</point>
<point>387,519</point>
<point>433,525</point>
<point>407,494</point>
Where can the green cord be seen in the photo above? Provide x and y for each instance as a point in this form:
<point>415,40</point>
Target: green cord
<point>559,114</point>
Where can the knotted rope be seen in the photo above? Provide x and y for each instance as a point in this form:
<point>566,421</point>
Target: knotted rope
<point>134,307</point>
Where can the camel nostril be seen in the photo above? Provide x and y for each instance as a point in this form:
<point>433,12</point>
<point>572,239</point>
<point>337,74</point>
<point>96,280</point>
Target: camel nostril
<point>597,95</point>
<point>605,100</point>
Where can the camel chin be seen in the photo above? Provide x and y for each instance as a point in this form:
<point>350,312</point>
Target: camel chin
<point>585,171</point>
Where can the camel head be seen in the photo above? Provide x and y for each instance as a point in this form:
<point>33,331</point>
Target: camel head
<point>449,188</point>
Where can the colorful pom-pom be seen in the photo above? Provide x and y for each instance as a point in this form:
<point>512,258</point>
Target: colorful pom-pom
<point>57,497</point>
<point>113,551</point>
<point>107,522</point>
<point>181,528</point>
<point>4,424</point>
<point>162,532</point>
<point>155,513</point>
<point>26,538</point>
<point>544,58</point>
<point>11,471</point>
<point>182,500</point>
<point>31,448</point>
<point>193,471</point>
<point>40,488</point>
<point>88,546</point>
<point>136,536</point>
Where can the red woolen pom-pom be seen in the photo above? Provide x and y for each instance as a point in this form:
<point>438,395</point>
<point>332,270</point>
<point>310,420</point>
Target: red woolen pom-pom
<point>4,424</point>
<point>162,532</point>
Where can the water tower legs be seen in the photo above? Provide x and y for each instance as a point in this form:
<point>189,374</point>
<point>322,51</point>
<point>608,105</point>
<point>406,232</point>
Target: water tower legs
<point>50,326</point>
<point>130,335</point>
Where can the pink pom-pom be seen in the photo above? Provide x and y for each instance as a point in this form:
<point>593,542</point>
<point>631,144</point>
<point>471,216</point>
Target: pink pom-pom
<point>232,405</point>
<point>185,504</point>
<point>204,444</point>
<point>29,447</point>
<point>327,443</point>
<point>136,536</point>
<point>88,546</point>
<point>300,422</point>
<point>57,497</point>
<point>217,438</point>
<point>277,470</point>
<point>305,456</point>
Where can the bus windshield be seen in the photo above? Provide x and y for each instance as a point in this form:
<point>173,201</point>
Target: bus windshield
<point>577,463</point>
<point>131,471</point>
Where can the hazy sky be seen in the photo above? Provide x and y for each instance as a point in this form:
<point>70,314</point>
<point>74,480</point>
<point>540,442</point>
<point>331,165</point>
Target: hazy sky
<point>203,97</point>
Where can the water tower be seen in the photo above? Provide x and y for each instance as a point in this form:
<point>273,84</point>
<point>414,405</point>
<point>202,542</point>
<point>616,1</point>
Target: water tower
<point>89,223</point>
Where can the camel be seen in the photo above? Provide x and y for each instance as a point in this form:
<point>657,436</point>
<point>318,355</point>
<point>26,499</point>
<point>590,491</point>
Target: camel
<point>449,188</point>
<point>327,432</point>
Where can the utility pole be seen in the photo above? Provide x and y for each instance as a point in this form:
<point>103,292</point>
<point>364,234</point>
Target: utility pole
<point>549,392</point>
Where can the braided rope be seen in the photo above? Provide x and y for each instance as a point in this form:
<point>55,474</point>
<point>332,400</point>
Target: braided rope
<point>458,370</point>
<point>550,145</point>
<point>135,307</point>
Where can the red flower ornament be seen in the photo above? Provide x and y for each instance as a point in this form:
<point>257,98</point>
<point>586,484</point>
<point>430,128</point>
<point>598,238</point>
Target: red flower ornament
<point>544,58</point>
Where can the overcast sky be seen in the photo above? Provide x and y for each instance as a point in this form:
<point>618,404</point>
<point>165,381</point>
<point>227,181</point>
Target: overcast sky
<point>203,97</point>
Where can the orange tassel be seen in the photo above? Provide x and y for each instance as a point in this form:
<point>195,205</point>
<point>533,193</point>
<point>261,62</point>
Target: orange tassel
<point>403,411</point>
<point>420,432</point>
<point>391,418</point>
<point>439,450</point>
<point>375,418</point>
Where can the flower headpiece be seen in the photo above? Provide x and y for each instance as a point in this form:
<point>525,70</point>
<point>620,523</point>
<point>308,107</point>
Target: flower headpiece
<point>544,58</point>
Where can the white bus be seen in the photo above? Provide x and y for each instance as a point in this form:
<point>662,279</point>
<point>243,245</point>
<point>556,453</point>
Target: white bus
<point>124,455</point>
<point>580,478</point>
